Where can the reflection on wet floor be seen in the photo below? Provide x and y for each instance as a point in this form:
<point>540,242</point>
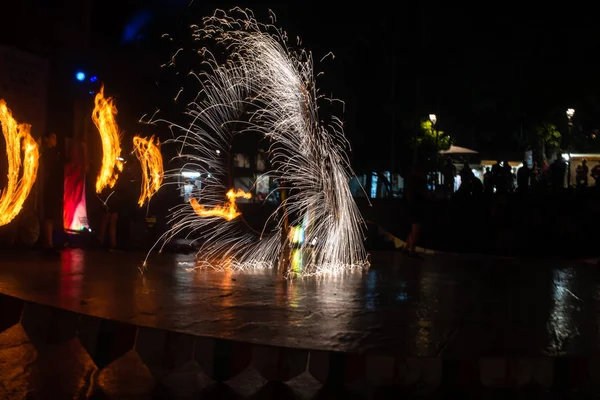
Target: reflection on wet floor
<point>562,328</point>
<point>442,305</point>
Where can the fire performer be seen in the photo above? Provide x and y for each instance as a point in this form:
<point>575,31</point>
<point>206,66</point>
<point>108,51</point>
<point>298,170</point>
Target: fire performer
<point>113,205</point>
<point>52,191</point>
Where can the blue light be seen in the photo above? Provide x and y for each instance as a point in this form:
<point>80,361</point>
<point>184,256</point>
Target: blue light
<point>93,78</point>
<point>135,28</point>
<point>80,76</point>
<point>374,179</point>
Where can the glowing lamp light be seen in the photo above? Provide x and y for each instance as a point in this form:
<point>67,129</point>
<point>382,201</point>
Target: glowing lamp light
<point>433,118</point>
<point>570,112</point>
<point>93,78</point>
<point>80,76</point>
<point>190,174</point>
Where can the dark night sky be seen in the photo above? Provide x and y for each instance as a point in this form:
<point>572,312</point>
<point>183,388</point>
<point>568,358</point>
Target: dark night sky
<point>486,70</point>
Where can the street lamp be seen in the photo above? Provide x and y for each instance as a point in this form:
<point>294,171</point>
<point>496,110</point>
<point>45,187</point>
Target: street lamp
<point>433,119</point>
<point>570,113</point>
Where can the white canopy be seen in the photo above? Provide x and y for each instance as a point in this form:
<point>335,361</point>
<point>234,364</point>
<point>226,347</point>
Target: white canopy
<point>458,150</point>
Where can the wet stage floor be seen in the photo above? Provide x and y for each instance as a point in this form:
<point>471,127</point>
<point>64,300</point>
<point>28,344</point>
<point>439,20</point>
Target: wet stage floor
<point>440,306</point>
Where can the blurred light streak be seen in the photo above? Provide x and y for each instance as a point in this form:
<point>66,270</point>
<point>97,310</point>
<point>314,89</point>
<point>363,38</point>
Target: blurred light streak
<point>103,116</point>
<point>150,158</point>
<point>22,171</point>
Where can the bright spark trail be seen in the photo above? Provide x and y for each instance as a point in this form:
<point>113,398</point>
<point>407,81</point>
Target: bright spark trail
<point>266,87</point>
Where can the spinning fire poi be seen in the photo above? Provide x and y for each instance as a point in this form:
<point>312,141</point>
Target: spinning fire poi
<point>103,116</point>
<point>227,212</point>
<point>22,171</point>
<point>263,75</point>
<point>148,154</point>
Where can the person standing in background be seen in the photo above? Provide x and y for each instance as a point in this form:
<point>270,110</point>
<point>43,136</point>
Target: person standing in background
<point>52,191</point>
<point>596,175</point>
<point>523,178</point>
<point>113,205</point>
<point>449,174</point>
<point>558,171</point>
<point>581,174</point>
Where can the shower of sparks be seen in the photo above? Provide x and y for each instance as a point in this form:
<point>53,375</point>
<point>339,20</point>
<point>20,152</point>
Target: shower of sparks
<point>148,154</point>
<point>266,87</point>
<point>227,212</point>
<point>103,116</point>
<point>18,140</point>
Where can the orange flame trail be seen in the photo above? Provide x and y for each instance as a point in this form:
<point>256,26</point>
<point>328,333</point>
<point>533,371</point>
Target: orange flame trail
<point>104,119</point>
<point>17,136</point>
<point>227,212</point>
<point>148,153</point>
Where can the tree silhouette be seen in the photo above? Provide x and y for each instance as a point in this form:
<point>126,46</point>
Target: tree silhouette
<point>547,139</point>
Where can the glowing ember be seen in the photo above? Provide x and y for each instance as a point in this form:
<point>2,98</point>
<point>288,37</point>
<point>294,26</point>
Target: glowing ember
<point>227,212</point>
<point>104,119</point>
<point>148,153</point>
<point>18,138</point>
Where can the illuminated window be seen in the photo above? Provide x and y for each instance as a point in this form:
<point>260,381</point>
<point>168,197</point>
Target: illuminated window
<point>374,179</point>
<point>263,184</point>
